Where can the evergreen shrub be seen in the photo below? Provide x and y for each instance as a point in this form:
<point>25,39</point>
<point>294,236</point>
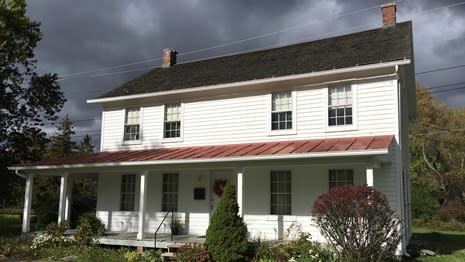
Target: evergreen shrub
<point>226,237</point>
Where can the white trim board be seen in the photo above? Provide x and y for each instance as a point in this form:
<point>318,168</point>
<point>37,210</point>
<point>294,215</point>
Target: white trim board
<point>252,82</point>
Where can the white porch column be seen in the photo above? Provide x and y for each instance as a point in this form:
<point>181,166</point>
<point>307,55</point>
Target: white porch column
<point>63,192</point>
<point>69,194</point>
<point>142,202</point>
<point>240,188</point>
<point>369,174</point>
<point>27,204</point>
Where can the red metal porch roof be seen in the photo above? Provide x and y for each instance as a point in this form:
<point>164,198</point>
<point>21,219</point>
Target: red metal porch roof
<point>366,143</point>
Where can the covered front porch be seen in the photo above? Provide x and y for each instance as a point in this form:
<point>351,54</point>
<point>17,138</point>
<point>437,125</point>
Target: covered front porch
<point>275,193</point>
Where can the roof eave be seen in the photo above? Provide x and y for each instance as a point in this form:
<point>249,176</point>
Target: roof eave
<point>373,152</point>
<point>253,82</point>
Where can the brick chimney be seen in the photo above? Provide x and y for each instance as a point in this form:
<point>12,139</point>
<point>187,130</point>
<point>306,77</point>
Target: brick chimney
<point>389,14</point>
<point>169,57</point>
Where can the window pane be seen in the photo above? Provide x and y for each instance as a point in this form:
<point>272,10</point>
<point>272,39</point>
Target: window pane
<point>349,120</point>
<point>170,192</point>
<point>127,194</point>
<point>332,122</point>
<point>339,177</point>
<point>281,101</point>
<point>339,105</point>
<point>280,192</point>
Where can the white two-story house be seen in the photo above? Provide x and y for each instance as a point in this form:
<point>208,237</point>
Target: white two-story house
<point>283,124</point>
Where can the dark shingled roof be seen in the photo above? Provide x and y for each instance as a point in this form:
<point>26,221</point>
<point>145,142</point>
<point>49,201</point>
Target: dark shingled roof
<point>361,48</point>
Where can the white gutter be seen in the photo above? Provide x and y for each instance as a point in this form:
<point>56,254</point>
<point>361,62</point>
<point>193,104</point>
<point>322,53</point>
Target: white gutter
<point>253,82</point>
<point>209,160</point>
<point>18,173</point>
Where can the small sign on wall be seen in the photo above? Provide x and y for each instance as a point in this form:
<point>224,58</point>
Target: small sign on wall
<point>199,193</point>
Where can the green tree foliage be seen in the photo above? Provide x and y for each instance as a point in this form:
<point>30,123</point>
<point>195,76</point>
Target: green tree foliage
<point>226,238</point>
<point>62,144</point>
<point>85,146</point>
<point>27,97</point>
<point>437,153</point>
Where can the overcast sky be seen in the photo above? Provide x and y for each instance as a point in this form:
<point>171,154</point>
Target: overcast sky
<point>88,35</point>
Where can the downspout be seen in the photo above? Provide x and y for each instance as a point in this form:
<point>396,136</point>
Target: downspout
<point>19,174</point>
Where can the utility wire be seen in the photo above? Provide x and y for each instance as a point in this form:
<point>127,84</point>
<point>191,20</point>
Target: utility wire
<point>69,76</point>
<point>65,76</point>
<point>441,69</point>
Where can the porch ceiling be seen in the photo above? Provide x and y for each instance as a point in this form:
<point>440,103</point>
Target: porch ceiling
<point>349,146</point>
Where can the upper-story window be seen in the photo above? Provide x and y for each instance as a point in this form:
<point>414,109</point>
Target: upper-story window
<point>281,110</point>
<point>131,124</point>
<point>340,106</point>
<point>172,127</point>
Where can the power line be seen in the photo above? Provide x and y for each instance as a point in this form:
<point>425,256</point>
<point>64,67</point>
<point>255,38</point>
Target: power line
<point>239,41</point>
<point>440,69</point>
<point>452,84</point>
<point>65,76</point>
<point>439,131</point>
<point>250,50</point>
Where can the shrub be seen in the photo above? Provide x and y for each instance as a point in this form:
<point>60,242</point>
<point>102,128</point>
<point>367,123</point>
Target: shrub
<point>425,204</point>
<point>301,249</point>
<point>54,236</point>
<point>453,211</point>
<point>98,254</point>
<point>358,223</point>
<point>226,237</point>
<point>152,255</point>
<point>90,228</point>
<point>193,252</point>
<point>434,224</point>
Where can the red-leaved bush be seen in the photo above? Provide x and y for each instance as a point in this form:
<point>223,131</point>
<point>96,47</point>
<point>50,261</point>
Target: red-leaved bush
<point>358,223</point>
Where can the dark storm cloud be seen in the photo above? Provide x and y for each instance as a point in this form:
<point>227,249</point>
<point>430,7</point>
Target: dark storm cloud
<point>87,35</point>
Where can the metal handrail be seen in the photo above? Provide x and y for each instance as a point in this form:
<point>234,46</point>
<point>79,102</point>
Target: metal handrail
<point>158,228</point>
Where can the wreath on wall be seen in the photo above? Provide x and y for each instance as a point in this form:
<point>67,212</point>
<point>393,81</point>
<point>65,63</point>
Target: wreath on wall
<point>218,186</point>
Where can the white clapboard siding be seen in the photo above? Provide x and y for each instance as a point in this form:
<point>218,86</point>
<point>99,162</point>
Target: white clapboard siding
<point>307,183</point>
<point>245,119</point>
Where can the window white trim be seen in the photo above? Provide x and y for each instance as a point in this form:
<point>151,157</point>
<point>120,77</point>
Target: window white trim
<point>133,142</point>
<point>354,125</point>
<point>293,130</point>
<point>172,139</point>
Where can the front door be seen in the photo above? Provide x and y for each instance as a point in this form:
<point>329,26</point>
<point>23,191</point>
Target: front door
<point>217,179</point>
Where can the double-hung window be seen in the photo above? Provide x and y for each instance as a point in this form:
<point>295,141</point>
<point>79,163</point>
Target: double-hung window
<point>131,124</point>
<point>281,192</point>
<point>340,177</point>
<point>281,110</point>
<point>128,192</point>
<point>172,126</point>
<point>340,106</point>
<point>170,192</point>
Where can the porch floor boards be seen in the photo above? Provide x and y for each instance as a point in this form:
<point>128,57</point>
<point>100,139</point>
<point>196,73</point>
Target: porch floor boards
<point>163,240</point>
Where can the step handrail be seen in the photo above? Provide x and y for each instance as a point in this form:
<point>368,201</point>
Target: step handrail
<point>158,228</point>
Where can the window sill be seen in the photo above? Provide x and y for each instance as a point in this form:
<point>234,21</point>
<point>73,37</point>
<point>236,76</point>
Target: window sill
<point>330,129</point>
<point>282,132</point>
<point>172,140</point>
<point>132,142</point>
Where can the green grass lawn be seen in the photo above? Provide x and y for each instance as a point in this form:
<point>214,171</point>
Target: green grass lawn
<point>449,245</point>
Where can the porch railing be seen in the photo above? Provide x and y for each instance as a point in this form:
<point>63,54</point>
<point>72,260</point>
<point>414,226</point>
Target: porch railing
<point>158,228</point>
